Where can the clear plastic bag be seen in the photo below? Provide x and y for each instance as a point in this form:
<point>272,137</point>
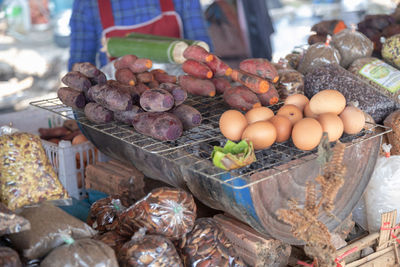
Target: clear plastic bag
<point>26,175</point>
<point>112,239</point>
<point>11,223</point>
<point>170,212</point>
<point>382,194</point>
<point>290,81</point>
<point>104,213</point>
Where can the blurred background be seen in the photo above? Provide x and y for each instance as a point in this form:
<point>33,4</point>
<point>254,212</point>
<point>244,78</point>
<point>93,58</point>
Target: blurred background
<point>34,39</point>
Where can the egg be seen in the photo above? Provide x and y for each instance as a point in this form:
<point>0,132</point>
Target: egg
<point>259,114</point>
<point>292,112</point>
<point>332,125</point>
<point>327,101</point>
<point>232,124</point>
<point>307,133</point>
<point>353,120</point>
<point>261,133</point>
<point>283,127</point>
<point>298,100</point>
<point>308,113</point>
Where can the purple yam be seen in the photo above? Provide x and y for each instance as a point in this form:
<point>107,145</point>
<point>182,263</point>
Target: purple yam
<point>127,116</point>
<point>71,97</point>
<point>77,81</point>
<point>189,116</point>
<point>156,100</point>
<point>97,113</point>
<point>179,94</point>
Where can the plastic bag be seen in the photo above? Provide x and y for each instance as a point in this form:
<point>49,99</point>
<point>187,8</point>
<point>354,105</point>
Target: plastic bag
<point>9,257</point>
<point>290,81</point>
<point>382,193</point>
<point>104,213</point>
<point>112,239</point>
<point>26,175</point>
<point>82,252</point>
<point>352,45</point>
<point>360,214</point>
<point>48,226</point>
<point>11,223</point>
<point>170,212</point>
<point>148,250</point>
<point>207,245</point>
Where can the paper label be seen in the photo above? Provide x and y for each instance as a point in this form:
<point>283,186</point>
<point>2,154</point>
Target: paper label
<point>383,74</point>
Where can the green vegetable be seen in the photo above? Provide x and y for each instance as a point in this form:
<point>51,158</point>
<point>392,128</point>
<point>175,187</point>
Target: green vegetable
<point>233,156</point>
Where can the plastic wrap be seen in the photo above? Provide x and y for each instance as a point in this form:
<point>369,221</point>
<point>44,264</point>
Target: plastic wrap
<point>149,250</point>
<point>170,212</point>
<point>390,50</point>
<point>290,81</point>
<point>352,45</point>
<point>9,257</point>
<point>207,245</point>
<point>382,193</point>
<point>103,214</point>
<point>360,214</point>
<point>81,253</point>
<point>48,225</point>
<point>26,175</point>
<point>11,223</point>
<point>112,239</point>
<point>318,54</point>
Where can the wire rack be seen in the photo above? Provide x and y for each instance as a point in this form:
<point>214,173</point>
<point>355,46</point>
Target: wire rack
<point>193,149</point>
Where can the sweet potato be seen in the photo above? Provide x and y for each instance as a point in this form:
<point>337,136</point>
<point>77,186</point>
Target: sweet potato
<point>71,135</point>
<point>197,53</point>
<point>127,116</point>
<point>87,69</point>
<point>99,79</point>
<point>145,77</point>
<point>153,84</point>
<point>154,71</point>
<point>125,76</point>
<point>141,65</point>
<point>189,116</point>
<point>77,81</point>
<point>164,77</point>
<point>97,113</point>
<point>221,84</point>
<point>197,86</point>
<point>269,98</point>
<point>156,100</point>
<point>125,61</point>
<point>111,97</point>
<point>176,91</point>
<point>254,83</point>
<point>135,95</point>
<point>71,97</point>
<point>71,125</point>
<point>219,67</point>
<point>56,132</point>
<point>260,67</point>
<point>241,97</point>
<point>141,87</point>
<point>159,125</point>
<point>197,69</point>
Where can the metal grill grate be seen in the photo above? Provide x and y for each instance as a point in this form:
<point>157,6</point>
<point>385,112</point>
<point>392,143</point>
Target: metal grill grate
<point>193,149</point>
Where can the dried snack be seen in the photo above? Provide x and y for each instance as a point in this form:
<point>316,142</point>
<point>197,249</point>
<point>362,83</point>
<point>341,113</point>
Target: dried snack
<point>112,239</point>
<point>207,245</point>
<point>149,250</point>
<point>82,252</point>
<point>390,50</point>
<point>11,223</point>
<point>26,175</point>
<point>103,214</point>
<point>290,82</point>
<point>170,212</point>
<point>9,257</point>
<point>393,121</point>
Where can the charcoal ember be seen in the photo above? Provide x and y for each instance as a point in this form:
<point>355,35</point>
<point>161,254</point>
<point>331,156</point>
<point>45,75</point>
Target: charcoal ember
<point>149,250</point>
<point>170,212</point>
<point>207,245</point>
<point>113,240</point>
<point>104,213</point>
<point>9,257</point>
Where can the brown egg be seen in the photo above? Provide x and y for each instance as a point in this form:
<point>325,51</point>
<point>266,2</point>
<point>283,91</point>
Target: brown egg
<point>232,124</point>
<point>327,101</point>
<point>331,124</point>
<point>306,134</point>
<point>353,120</point>
<point>261,133</point>
<point>308,113</point>
<point>283,127</point>
<point>259,114</point>
<point>298,100</point>
<point>292,112</point>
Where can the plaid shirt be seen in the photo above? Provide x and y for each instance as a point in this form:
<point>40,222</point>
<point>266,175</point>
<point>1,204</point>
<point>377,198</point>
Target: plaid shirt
<point>86,27</point>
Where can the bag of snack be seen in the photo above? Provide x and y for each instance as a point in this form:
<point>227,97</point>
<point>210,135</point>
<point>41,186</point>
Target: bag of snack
<point>104,213</point>
<point>112,239</point>
<point>11,223</point>
<point>9,257</point>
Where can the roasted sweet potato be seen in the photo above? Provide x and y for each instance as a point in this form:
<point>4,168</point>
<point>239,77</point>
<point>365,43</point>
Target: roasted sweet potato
<point>125,76</point>
<point>176,91</point>
<point>260,67</point>
<point>197,69</point>
<point>71,97</point>
<point>127,116</point>
<point>132,90</point>
<point>111,97</point>
<point>254,83</point>
<point>197,86</point>
<point>219,67</point>
<point>77,81</point>
<point>189,116</point>
<point>241,97</point>
<point>71,125</point>
<point>98,114</point>
<point>197,53</point>
<point>269,98</point>
<point>156,100</point>
<point>141,87</point>
<point>56,132</point>
<point>163,77</point>
<point>145,77</point>
<point>221,84</point>
<point>87,69</point>
<point>141,65</point>
<point>99,79</point>
<point>159,125</point>
<point>125,61</point>
<point>71,135</point>
<point>153,84</point>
